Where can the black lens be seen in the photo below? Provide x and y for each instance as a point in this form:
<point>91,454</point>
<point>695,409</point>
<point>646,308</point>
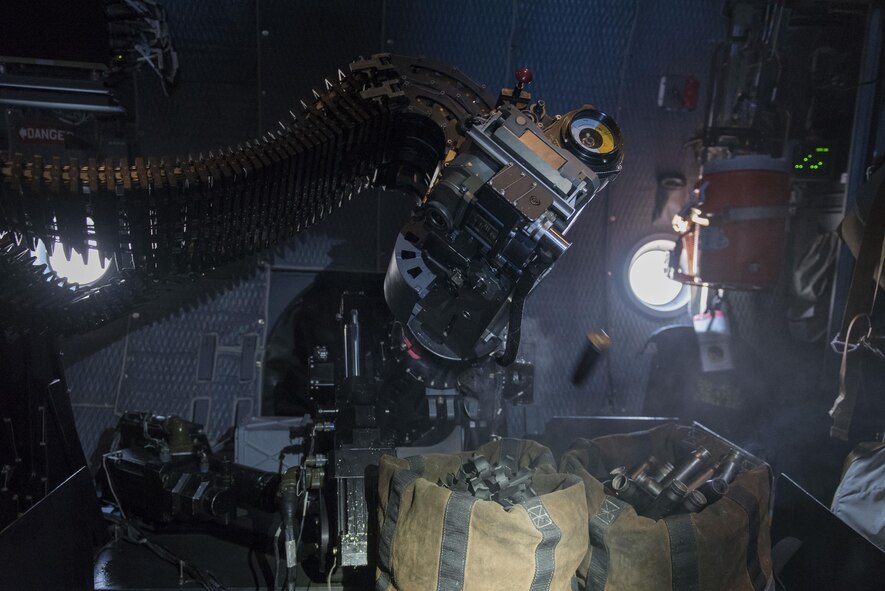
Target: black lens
<point>590,138</point>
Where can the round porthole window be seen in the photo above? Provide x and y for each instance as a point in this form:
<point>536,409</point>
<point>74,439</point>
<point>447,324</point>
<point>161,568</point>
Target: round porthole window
<point>73,270</point>
<point>648,281</point>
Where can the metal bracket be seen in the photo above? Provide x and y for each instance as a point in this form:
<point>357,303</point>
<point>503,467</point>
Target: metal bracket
<point>522,191</point>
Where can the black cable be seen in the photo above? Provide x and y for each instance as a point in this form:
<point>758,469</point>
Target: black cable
<point>276,553</point>
<point>289,450</point>
<point>517,303</point>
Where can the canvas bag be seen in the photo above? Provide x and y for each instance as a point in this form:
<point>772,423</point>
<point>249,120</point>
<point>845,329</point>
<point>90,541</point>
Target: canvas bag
<point>724,547</point>
<point>432,538</point>
<point>860,496</point>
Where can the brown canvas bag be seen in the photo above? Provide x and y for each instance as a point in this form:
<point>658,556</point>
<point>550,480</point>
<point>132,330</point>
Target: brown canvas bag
<point>724,547</point>
<point>434,539</point>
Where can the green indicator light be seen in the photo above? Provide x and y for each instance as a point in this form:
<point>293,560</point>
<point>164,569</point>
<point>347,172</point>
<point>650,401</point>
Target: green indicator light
<point>821,149</point>
<point>799,166</point>
<point>819,163</point>
<point>805,159</point>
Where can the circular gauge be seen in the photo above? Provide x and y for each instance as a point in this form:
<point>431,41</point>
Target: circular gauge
<point>594,137</point>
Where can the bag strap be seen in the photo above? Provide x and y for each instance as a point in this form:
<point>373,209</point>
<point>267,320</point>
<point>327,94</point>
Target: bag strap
<point>382,583</point>
<point>545,561</point>
<point>455,534</point>
<point>417,464</point>
<point>683,553</point>
<point>600,522</point>
<point>401,481</point>
<point>750,504</point>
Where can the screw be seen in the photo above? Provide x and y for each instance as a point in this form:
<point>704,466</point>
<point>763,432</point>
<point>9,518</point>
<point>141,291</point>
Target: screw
<point>534,200</point>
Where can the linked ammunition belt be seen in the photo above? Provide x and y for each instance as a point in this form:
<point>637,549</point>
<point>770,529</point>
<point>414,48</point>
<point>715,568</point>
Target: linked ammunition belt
<point>389,122</point>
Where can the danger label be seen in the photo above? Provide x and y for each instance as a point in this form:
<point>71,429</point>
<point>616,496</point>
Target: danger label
<point>43,134</point>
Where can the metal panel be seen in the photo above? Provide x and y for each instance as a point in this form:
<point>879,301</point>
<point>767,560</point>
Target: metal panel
<point>213,103</point>
<point>672,37</point>
<point>155,368</point>
<point>473,36</point>
<point>575,49</point>
<point>59,530</point>
<point>303,42</point>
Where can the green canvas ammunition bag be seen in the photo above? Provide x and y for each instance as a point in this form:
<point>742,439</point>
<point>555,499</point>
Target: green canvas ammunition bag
<point>724,547</point>
<point>435,539</point>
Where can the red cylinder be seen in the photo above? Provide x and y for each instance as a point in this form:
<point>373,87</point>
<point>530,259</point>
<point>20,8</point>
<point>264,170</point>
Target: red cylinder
<point>738,239</point>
